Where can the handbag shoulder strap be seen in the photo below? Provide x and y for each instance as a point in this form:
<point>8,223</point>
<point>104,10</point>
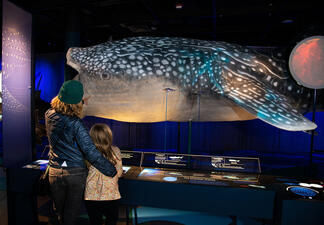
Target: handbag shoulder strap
<point>46,172</point>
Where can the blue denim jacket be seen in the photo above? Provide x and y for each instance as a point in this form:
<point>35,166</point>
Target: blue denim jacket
<point>70,143</point>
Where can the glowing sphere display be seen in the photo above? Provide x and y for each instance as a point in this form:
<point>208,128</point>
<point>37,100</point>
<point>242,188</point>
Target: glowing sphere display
<point>306,62</point>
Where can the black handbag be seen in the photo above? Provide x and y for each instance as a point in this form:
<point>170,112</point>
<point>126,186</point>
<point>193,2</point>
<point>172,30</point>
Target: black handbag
<point>43,183</point>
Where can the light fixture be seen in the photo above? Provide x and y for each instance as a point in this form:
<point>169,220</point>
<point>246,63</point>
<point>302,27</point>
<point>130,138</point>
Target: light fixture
<point>179,5</point>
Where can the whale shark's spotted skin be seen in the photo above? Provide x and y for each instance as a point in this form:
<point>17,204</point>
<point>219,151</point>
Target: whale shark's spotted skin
<point>257,83</point>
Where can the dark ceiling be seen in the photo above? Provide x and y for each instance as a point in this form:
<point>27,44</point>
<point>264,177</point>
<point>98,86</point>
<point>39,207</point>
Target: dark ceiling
<point>280,23</point>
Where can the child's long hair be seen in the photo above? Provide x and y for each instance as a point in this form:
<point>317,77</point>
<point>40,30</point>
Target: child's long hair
<point>102,137</point>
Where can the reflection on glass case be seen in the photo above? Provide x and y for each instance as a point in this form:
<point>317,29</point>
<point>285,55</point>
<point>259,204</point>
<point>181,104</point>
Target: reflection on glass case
<point>132,158</point>
<point>125,169</point>
<point>213,178</point>
<point>40,164</point>
<point>192,162</point>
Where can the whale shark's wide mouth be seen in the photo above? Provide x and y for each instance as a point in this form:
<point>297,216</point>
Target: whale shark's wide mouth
<point>70,61</point>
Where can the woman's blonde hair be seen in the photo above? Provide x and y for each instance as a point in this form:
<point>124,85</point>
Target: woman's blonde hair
<point>66,109</point>
<point>102,137</point>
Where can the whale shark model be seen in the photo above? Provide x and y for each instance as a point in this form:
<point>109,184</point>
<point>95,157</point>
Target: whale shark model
<point>151,79</point>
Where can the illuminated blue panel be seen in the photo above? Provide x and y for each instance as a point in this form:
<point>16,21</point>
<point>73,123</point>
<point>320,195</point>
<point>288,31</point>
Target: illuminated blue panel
<point>302,191</point>
<point>16,83</point>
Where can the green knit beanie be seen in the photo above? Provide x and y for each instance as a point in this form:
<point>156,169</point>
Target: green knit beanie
<point>71,92</point>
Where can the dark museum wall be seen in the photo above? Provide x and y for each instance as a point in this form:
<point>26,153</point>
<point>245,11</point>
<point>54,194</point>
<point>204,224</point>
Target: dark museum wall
<point>213,137</point>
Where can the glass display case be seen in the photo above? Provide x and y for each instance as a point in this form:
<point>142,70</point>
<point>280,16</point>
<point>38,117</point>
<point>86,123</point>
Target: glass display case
<point>191,162</point>
<point>191,169</point>
<point>206,170</point>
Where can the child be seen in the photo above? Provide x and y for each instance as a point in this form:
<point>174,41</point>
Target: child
<point>101,193</point>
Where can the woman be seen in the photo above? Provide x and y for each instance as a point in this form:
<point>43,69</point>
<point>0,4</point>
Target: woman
<point>70,145</point>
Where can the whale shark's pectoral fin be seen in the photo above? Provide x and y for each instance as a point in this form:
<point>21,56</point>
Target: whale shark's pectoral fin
<point>267,104</point>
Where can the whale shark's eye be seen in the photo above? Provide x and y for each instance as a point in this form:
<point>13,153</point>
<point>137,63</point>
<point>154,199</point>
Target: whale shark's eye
<point>105,76</point>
